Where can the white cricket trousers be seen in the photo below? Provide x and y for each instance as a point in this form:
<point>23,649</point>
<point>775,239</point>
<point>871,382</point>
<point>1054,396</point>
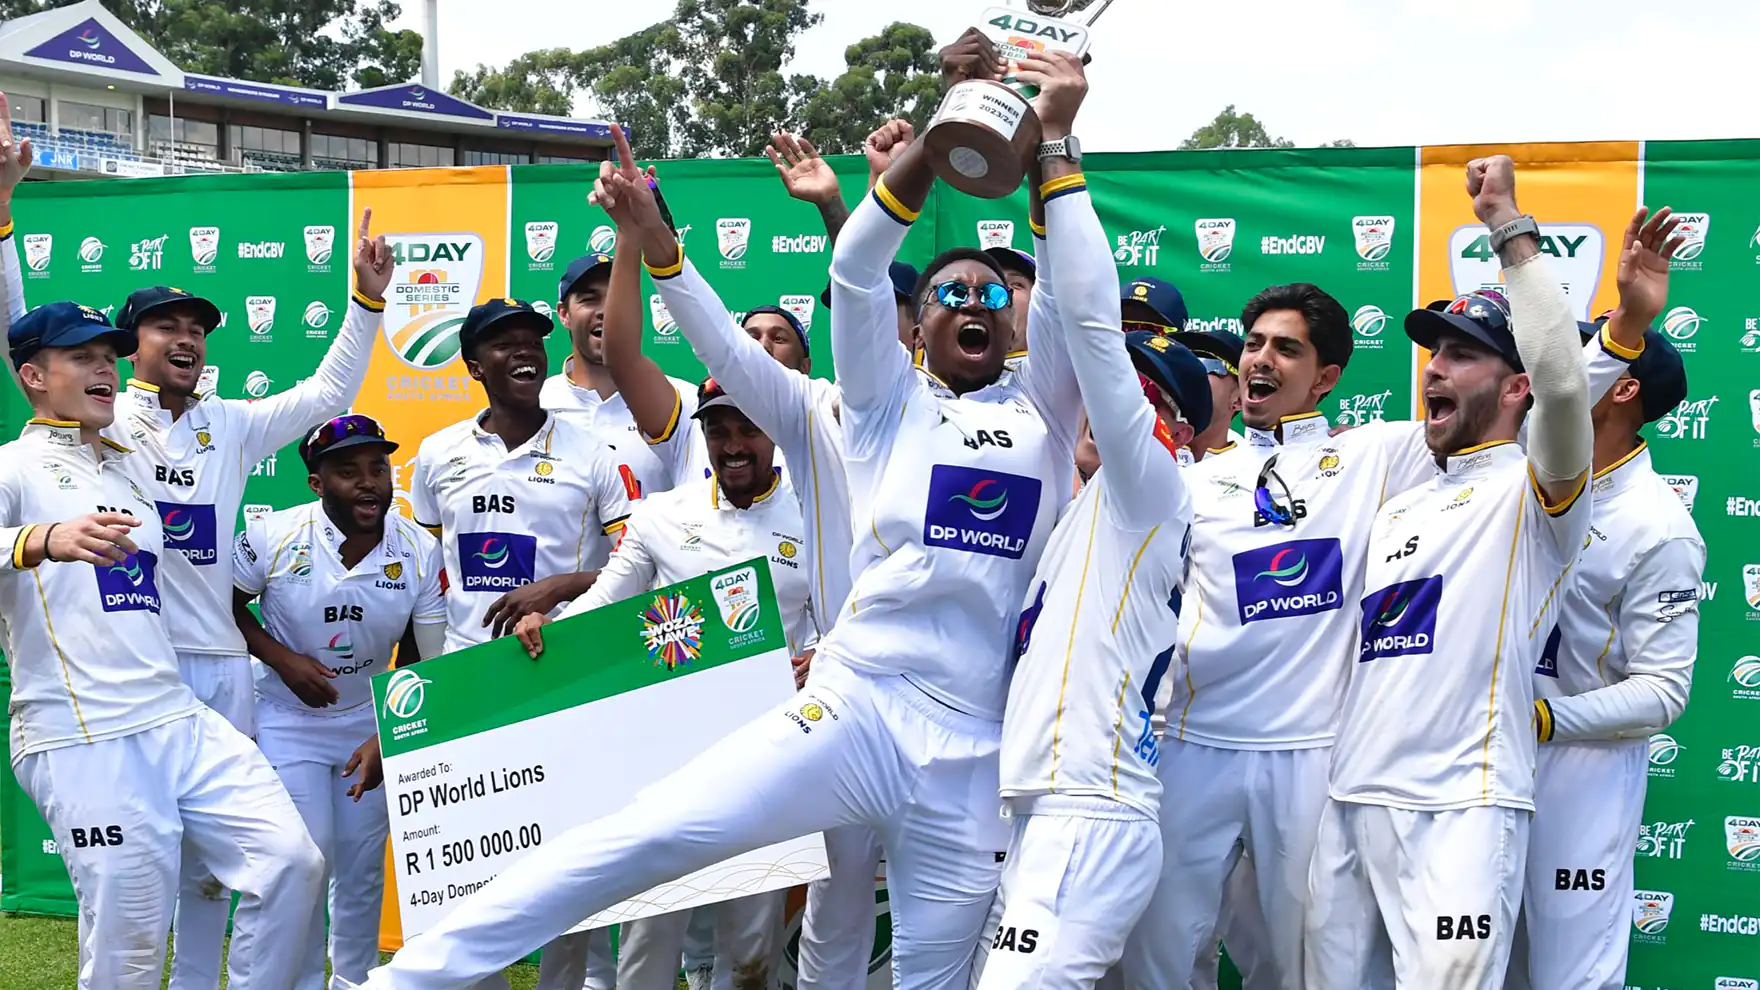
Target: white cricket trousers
<point>1214,803</point>
<point>308,752</point>
<point>1240,927</point>
<point>837,928</point>
<point>1429,897</point>
<point>746,936</point>
<point>879,752</point>
<point>122,810</point>
<point>1079,873</point>
<point>583,959</point>
<point>1588,809</point>
<point>226,685</point>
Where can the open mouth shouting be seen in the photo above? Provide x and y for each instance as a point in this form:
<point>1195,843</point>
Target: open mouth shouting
<point>102,392</point>
<point>973,338</point>
<point>1439,409</point>
<point>181,360</point>
<point>1262,384</point>
<point>524,372</point>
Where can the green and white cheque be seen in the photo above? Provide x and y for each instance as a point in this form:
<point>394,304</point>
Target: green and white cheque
<point>490,755</point>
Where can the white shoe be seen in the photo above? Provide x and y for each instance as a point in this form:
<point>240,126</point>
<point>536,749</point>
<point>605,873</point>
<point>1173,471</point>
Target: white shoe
<point>698,979</point>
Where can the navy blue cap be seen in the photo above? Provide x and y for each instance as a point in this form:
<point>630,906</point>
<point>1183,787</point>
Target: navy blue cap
<point>904,283</point>
<point>1014,260</point>
<point>499,314</point>
<point>63,324</point>
<point>1661,375</point>
<point>1220,350</point>
<point>793,321</point>
<point>341,433</point>
<point>143,301</point>
<point>1482,316</point>
<point>578,269</point>
<point>1161,297</point>
<point>1172,365</point>
<point>710,395</point>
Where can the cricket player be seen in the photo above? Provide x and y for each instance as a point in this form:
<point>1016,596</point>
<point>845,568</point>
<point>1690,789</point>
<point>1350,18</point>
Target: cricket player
<point>124,762</point>
<point>740,512</point>
<point>1220,350</point>
<point>1424,837</point>
<point>956,474</point>
<point>1021,271</point>
<point>340,583</point>
<point>1086,848</point>
<point>1619,664</point>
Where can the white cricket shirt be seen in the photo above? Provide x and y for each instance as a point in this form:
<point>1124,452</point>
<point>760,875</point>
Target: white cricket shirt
<point>1465,578</point>
<point>1619,663</point>
<point>194,468</point>
<point>693,529</point>
<point>799,413</point>
<point>1101,612</point>
<point>347,619</point>
<point>953,497</point>
<point>510,517</point>
<point>1265,637</point>
<point>87,646</point>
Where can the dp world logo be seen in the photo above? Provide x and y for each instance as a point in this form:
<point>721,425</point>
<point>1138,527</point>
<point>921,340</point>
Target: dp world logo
<point>91,251</point>
<point>1681,323</point>
<point>1369,321</point>
<point>1290,568</point>
<point>340,648</point>
<point>603,239</point>
<point>179,525</point>
<point>91,39</point>
<point>493,554</point>
<point>404,693</point>
<point>256,384</point>
<point>986,501</point>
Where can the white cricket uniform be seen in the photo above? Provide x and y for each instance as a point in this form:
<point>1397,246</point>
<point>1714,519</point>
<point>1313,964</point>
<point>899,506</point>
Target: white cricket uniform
<point>1616,669</point>
<point>802,415</point>
<point>1260,662</point>
<point>350,620</point>
<point>675,536</point>
<point>910,680</point>
<point>121,758</point>
<point>510,517</point>
<point>1423,841</point>
<point>1078,747</point>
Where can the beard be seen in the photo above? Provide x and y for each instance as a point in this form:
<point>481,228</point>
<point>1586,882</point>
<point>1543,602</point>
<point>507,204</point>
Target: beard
<point>1475,413</point>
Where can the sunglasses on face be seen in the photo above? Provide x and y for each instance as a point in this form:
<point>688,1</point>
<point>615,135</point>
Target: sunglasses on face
<point>955,295</point>
<point>1488,305</point>
<point>1266,502</point>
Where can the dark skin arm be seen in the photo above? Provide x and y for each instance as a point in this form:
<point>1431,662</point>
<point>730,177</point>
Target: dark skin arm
<point>807,178</point>
<point>541,596</point>
<point>308,679</point>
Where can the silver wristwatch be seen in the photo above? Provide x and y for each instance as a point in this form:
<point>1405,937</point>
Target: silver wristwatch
<point>1069,148</point>
<point>1523,224</point>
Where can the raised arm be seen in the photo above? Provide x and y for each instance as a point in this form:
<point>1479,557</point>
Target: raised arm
<point>1645,251</point>
<point>809,179</point>
<point>282,418</point>
<point>15,161</point>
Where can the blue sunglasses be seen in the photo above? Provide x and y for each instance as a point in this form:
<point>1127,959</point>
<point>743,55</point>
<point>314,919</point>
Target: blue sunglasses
<point>955,295</point>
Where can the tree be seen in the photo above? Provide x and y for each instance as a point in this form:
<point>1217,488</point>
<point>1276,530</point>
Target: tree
<point>272,41</point>
<point>536,82</point>
<point>1233,130</point>
<point>894,74</point>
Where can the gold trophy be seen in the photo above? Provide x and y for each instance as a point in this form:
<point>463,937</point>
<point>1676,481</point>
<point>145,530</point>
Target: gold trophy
<point>985,130</point>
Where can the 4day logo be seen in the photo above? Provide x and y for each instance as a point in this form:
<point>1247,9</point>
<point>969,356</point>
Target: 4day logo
<point>1215,243</point>
<point>1650,911</point>
<point>541,244</point>
<point>1577,250</point>
<point>204,247</point>
<point>736,595</point>
<point>1140,248</point>
<point>319,242</point>
<point>1373,237</point>
<point>260,312</point>
<point>1742,837</point>
<point>995,234</point>
<point>37,250</point>
<point>433,285</point>
<point>664,325</point>
<point>1693,228</point>
<point>733,236</point>
<point>801,307</point>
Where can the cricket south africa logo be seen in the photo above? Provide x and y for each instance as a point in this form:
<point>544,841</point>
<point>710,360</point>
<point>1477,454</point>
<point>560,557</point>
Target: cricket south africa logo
<point>673,630</point>
<point>736,595</point>
<point>405,691</point>
<point>1650,911</point>
<point>434,284</point>
<point>320,241</point>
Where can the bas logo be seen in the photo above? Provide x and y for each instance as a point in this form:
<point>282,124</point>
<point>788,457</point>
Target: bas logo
<point>1579,880</point>
<point>433,285</point>
<point>97,835</point>
<point>1451,928</point>
<point>1578,250</point>
<point>1012,939</point>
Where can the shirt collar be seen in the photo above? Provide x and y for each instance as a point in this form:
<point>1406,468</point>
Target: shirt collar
<point>331,535</point>
<point>147,394</point>
<point>1298,430</point>
<point>540,440</point>
<point>1481,459</point>
<point>717,502</point>
<point>582,393</point>
<point>943,390</point>
<point>65,433</point>
<point>1619,475</point>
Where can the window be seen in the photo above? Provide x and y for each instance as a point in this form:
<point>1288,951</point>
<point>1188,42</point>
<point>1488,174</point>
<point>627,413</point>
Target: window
<point>181,130</point>
<point>419,155</point>
<point>106,120</point>
<point>561,160</point>
<point>336,148</point>
<point>271,139</point>
<point>495,158</point>
<point>29,108</point>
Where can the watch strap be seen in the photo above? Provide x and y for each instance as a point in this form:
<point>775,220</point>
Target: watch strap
<point>1055,149</point>
<point>1523,224</point>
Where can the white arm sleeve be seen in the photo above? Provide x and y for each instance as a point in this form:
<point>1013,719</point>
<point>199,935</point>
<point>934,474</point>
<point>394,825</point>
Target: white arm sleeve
<point>873,369</point>
<point>14,277</point>
<point>1046,374</point>
<point>430,639</point>
<point>630,571</point>
<point>279,420</point>
<point>1561,442</point>
<point>1659,626</point>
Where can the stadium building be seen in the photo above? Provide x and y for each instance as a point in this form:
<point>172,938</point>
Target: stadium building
<point>97,100</point>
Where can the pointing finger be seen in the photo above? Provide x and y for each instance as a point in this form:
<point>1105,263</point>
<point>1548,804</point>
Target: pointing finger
<point>625,156</point>
<point>366,223</point>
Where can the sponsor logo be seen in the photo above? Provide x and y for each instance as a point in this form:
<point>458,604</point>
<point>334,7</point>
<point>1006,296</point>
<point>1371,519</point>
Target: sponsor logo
<point>665,327</point>
<point>733,237</point>
<point>131,586</point>
<point>190,530</point>
<point>802,308</point>
<point>800,244</point>
<point>1369,321</point>
<point>37,250</point>
<point>1215,243</point>
<point>147,255</point>
<point>673,630</point>
<point>1373,237</point>
<point>1745,675</point>
<point>320,241</point>
<point>1751,588</point>
<point>1293,244</point>
<point>1400,619</point>
<point>204,247</point>
<point>736,595</point>
<point>1686,486</point>
<point>316,318</point>
<point>405,691</point>
<point>1682,324</point>
<point>340,648</point>
<point>1741,836</point>
<point>496,562</point>
<point>1650,911</point>
<point>995,234</point>
<point>91,255</point>
<point>1750,339</point>
<point>1729,983</point>
<point>1139,248</point>
<point>208,382</point>
<point>1301,577</point>
<point>1663,840</point>
<point>260,314</point>
<point>1693,228</point>
<point>434,283</point>
<point>256,384</point>
<point>603,239</point>
<point>978,511</point>
<point>1355,410</point>
<point>541,243</point>
<point>1730,924</point>
<point>1577,250</point>
<point>254,511</point>
<point>1739,765</point>
<point>1664,751</point>
<point>1688,421</point>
